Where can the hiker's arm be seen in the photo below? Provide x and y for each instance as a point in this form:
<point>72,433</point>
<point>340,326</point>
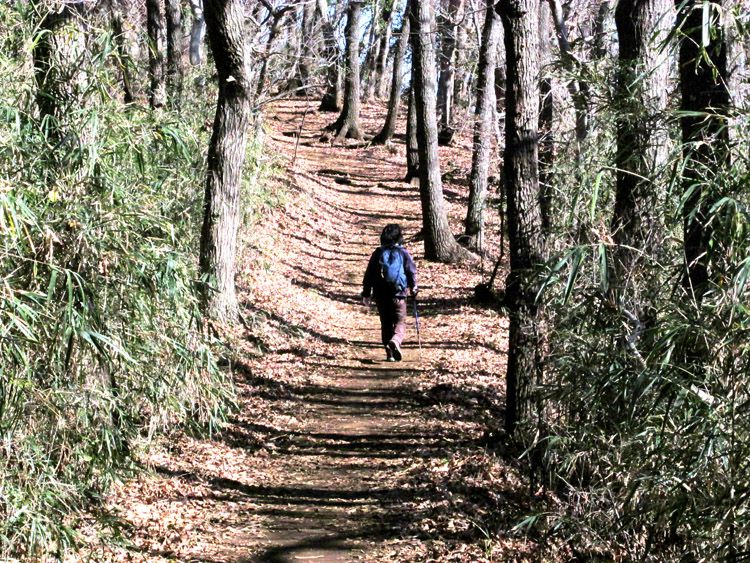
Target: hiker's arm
<point>410,269</point>
<point>369,280</point>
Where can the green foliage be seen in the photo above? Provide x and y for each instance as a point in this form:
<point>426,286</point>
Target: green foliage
<point>644,428</point>
<point>101,340</point>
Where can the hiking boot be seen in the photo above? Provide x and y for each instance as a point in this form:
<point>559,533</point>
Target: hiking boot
<point>388,355</point>
<point>395,350</point>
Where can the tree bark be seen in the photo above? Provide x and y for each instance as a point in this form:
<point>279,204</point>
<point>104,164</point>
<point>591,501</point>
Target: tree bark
<point>124,60</point>
<point>705,137</point>
<point>385,48</point>
<point>347,125</point>
<point>155,29</point>
<point>58,59</point>
<point>412,146</point>
<point>394,101</point>
<point>601,46</point>
<point>447,29</point>
<point>578,88</point>
<point>331,100</point>
<point>484,115</point>
<point>197,32</point>
<point>527,242</point>
<point>174,52</point>
<point>277,18</point>
<point>642,134</point>
<point>546,130</point>
<point>461,74</point>
<point>373,53</point>
<point>226,155</point>
<point>304,66</point>
<point>439,243</point>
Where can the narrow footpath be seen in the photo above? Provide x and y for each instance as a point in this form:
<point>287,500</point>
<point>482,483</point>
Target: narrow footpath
<point>335,454</point>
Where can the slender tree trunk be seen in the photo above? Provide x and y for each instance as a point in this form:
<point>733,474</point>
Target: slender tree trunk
<point>373,53</point>
<point>174,51</point>
<point>332,96</point>
<point>527,242</point>
<point>578,88</point>
<point>226,155</point>
<point>705,103</point>
<point>347,125</point>
<point>277,18</point>
<point>304,67</point>
<point>461,75</point>
<point>412,146</point>
<point>483,127</point>
<point>546,116</point>
<point>642,135</point>
<point>124,59</point>
<point>385,48</point>
<point>58,59</point>
<point>601,45</point>
<point>394,102</point>
<point>438,241</point>
<point>447,51</point>
<point>155,29</point>
<point>197,32</point>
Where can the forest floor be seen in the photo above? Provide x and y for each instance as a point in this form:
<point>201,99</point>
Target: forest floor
<point>335,454</point>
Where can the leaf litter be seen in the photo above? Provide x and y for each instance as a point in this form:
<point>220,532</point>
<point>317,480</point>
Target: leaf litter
<point>334,454</point>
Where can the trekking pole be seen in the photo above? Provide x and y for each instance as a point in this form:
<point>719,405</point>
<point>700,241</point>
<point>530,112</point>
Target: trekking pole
<point>416,324</point>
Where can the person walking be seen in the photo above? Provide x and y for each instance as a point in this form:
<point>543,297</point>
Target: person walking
<point>390,274</point>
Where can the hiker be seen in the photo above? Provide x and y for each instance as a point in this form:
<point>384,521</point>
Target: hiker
<point>390,273</point>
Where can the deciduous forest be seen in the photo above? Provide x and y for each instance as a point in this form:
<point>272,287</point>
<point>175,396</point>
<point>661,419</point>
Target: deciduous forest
<point>546,358</point>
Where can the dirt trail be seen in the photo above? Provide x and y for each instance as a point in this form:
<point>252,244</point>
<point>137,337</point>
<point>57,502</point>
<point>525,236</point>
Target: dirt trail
<point>335,454</point>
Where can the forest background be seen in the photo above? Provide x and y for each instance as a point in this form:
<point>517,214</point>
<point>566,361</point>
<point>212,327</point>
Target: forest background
<point>623,182</point>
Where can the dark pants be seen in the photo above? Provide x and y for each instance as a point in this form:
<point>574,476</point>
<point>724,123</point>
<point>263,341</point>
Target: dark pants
<point>392,314</point>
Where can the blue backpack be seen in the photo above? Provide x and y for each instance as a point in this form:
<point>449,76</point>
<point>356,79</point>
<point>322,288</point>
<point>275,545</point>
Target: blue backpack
<point>392,269</point>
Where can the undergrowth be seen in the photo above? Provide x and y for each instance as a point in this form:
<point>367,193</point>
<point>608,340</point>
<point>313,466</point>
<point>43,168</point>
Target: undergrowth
<point>640,425</point>
<point>102,346</point>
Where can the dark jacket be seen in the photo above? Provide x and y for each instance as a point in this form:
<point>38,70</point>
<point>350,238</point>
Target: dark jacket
<point>374,283</point>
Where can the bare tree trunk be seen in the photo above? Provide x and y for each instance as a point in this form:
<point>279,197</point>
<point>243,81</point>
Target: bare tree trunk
<point>58,59</point>
<point>527,242</point>
<point>373,53</point>
<point>347,125</point>
<point>705,137</point>
<point>394,102</point>
<point>197,32</point>
<point>155,28</point>
<point>483,128</point>
<point>303,69</point>
<point>124,59</point>
<point>642,134</point>
<point>601,44</point>
<point>277,17</point>
<point>447,30</point>
<point>546,116</point>
<point>385,47</point>
<point>461,75</point>
<point>174,51</point>
<point>226,155</point>
<point>412,146</point>
<point>332,96</point>
<point>439,243</point>
<point>578,88</point>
